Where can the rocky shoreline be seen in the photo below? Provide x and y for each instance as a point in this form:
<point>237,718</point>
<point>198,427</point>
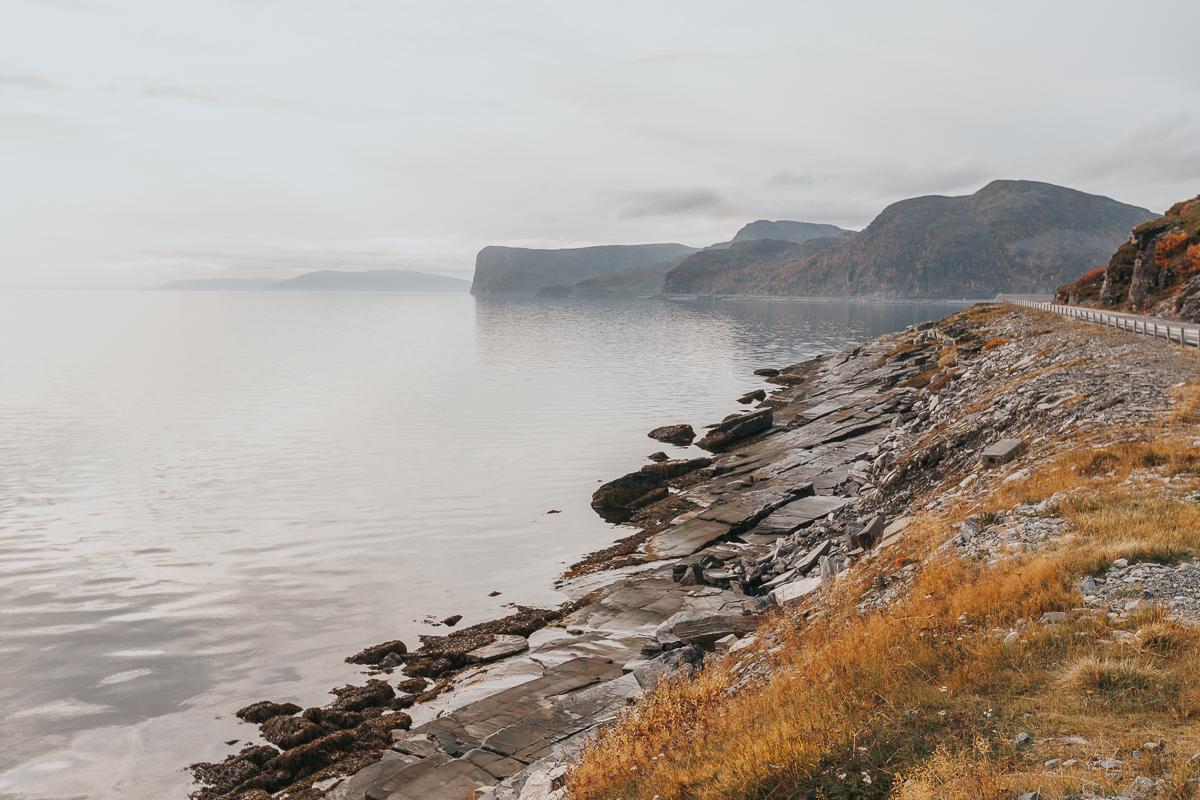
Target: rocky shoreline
<point>819,476</point>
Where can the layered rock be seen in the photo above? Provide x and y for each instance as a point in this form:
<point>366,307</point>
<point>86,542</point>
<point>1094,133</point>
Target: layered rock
<point>1010,236</point>
<point>1156,271</point>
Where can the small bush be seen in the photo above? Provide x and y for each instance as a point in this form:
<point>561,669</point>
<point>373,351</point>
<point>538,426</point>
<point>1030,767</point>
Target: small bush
<point>1100,464</point>
<point>992,344</point>
<point>1113,679</point>
<point>1164,636</point>
<point>1193,257</point>
<point>1168,245</point>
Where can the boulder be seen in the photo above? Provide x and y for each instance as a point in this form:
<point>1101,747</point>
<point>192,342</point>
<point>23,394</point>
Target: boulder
<point>356,698</point>
<point>703,628</point>
<point>766,372</point>
<point>735,428</point>
<point>758,395</point>
<point>263,710</point>
<point>289,732</point>
<point>658,456</point>
<point>616,500</point>
<point>376,653</point>
<point>674,434</point>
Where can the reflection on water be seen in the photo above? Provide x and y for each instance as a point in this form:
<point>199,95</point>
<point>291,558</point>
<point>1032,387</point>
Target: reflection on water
<point>207,499</point>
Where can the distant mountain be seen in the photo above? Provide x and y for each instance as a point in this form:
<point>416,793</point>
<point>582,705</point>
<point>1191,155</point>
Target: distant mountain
<point>646,280</point>
<point>217,284</point>
<point>331,280</point>
<point>1010,236</point>
<point>785,230</point>
<point>520,270</point>
<point>376,280</point>
<point>1156,271</point>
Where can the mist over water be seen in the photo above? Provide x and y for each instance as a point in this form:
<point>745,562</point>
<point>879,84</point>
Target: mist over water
<point>211,499</point>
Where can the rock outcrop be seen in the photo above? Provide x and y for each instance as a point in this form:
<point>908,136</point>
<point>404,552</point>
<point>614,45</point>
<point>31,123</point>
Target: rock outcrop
<point>616,500</point>
<point>1010,236</point>
<point>525,271</point>
<point>679,434</point>
<point>1156,271</point>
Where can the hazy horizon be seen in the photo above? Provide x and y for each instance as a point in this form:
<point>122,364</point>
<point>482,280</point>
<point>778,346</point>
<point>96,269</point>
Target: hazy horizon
<point>259,140</point>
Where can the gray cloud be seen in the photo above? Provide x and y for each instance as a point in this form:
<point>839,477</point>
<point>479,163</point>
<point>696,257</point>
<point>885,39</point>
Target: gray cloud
<point>1168,149</point>
<point>898,180</point>
<point>18,81</point>
<point>657,58</point>
<point>792,179</point>
<point>670,202</point>
<point>178,92</point>
<point>333,137</point>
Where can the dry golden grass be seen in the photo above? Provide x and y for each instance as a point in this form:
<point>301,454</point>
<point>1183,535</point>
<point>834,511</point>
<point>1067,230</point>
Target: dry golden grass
<point>992,344</point>
<point>921,701</point>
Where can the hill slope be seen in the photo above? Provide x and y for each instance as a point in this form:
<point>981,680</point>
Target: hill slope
<point>1156,271</point>
<point>786,230</point>
<point>1010,236</point>
<point>521,270</point>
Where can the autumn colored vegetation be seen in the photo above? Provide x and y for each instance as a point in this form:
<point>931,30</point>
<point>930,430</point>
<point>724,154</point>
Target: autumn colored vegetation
<point>1168,245</point>
<point>924,699</point>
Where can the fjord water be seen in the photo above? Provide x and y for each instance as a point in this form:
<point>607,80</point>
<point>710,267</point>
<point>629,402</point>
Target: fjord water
<point>210,499</point>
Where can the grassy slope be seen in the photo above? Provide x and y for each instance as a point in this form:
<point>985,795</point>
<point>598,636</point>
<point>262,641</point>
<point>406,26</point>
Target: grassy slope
<point>923,699</point>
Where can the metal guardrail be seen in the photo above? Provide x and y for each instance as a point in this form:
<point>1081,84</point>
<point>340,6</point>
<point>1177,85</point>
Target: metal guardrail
<point>1174,332</point>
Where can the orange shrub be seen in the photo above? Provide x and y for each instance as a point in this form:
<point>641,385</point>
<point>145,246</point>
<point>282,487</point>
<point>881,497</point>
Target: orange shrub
<point>1193,257</point>
<point>1168,245</point>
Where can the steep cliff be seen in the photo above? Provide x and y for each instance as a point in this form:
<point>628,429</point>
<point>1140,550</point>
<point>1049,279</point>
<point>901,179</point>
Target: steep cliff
<point>520,270</point>
<point>1156,271</point>
<point>1010,236</point>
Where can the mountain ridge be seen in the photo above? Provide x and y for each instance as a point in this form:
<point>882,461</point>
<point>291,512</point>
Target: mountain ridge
<point>1009,236</point>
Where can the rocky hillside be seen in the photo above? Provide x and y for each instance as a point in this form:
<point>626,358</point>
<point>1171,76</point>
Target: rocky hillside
<point>521,270</point>
<point>1157,271</point>
<point>786,230</point>
<point>1010,236</point>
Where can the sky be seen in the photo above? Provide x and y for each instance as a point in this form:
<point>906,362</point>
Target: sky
<point>147,141</point>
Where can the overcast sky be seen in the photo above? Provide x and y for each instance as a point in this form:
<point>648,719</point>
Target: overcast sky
<point>144,141</point>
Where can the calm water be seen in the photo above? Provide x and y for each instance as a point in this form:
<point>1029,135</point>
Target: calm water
<point>209,499</point>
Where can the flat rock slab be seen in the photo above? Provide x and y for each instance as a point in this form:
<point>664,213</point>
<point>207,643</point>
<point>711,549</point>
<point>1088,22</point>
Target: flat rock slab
<point>749,506</point>
<point>799,513</point>
<point>705,627</point>
<point>504,646</point>
<point>683,540</point>
<point>795,590</point>
<point>1002,452</point>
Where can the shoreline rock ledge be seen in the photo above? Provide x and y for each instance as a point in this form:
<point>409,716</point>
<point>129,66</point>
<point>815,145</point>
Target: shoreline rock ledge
<point>825,475</point>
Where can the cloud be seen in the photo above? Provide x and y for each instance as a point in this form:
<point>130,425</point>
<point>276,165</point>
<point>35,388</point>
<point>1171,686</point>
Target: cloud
<point>657,58</point>
<point>15,81</point>
<point>671,203</point>
<point>178,92</point>
<point>792,179</point>
<point>897,180</point>
<point>1168,149</point>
